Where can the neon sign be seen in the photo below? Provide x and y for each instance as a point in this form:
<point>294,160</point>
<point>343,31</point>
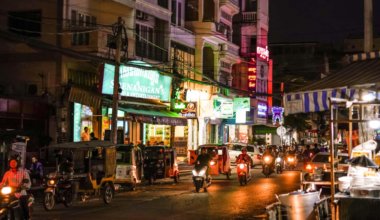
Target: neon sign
<point>252,75</point>
<point>262,109</point>
<point>277,115</point>
<point>263,53</point>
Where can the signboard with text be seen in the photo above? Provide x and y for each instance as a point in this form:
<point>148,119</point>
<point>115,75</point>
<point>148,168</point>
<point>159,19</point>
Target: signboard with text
<point>242,104</point>
<point>186,109</point>
<point>137,82</point>
<point>223,108</point>
<point>252,75</point>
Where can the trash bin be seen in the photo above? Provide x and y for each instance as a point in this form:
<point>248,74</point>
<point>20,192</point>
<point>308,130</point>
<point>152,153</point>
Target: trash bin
<point>299,205</point>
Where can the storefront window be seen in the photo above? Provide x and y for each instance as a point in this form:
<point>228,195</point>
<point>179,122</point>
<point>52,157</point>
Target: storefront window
<point>157,134</point>
<point>82,118</point>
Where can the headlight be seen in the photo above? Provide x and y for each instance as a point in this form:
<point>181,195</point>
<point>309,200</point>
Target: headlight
<point>309,167</point>
<point>290,159</point>
<point>51,182</point>
<point>266,159</point>
<point>212,163</point>
<point>202,172</point>
<point>241,166</point>
<point>6,190</point>
<point>278,159</point>
<point>195,173</point>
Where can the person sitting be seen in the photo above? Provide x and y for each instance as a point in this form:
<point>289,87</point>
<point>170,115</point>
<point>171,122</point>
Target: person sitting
<point>203,160</point>
<point>66,167</point>
<point>245,158</point>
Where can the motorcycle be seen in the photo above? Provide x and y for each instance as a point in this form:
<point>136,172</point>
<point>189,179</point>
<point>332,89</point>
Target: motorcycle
<point>279,164</point>
<point>200,179</point>
<point>267,165</point>
<point>243,173</point>
<point>291,162</point>
<point>59,190</point>
<point>10,207</point>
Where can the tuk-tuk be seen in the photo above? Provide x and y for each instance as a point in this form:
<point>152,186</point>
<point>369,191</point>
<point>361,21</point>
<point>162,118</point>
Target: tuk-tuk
<point>129,166</point>
<point>92,168</point>
<point>220,163</point>
<point>160,162</point>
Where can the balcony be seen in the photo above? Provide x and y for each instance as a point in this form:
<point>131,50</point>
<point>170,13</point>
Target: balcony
<point>224,30</point>
<point>249,17</point>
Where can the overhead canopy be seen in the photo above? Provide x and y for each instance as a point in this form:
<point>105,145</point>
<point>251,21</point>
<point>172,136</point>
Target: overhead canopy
<point>364,70</point>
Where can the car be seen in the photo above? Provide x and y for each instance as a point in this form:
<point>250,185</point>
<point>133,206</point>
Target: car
<point>317,172</point>
<point>252,150</point>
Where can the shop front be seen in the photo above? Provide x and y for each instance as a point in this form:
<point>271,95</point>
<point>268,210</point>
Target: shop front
<point>144,103</point>
<point>237,129</point>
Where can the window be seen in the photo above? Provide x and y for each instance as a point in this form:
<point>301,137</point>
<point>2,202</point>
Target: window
<point>79,22</point>
<point>27,23</point>
<point>191,10</point>
<point>144,40</point>
<point>174,11</point>
<point>251,5</point>
<point>163,3</point>
<point>179,20</point>
<point>184,57</point>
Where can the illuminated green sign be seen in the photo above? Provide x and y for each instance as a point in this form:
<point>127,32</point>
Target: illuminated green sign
<point>77,121</point>
<point>179,105</point>
<point>138,82</point>
<point>242,104</point>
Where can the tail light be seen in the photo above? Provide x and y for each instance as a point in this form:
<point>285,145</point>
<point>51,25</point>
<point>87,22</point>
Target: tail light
<point>241,166</point>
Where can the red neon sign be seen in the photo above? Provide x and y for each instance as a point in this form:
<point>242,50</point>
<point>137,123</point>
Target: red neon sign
<point>252,75</point>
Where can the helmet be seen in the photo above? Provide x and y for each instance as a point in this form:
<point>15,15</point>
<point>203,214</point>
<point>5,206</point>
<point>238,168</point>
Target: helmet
<point>244,150</point>
<point>13,163</point>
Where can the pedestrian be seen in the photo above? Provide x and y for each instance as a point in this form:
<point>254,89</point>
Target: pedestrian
<point>36,171</point>
<point>92,136</point>
<point>85,136</point>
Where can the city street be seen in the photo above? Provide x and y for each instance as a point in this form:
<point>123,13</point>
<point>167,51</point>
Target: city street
<point>225,199</point>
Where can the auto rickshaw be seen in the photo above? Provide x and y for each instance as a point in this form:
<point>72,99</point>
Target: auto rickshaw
<point>160,162</point>
<point>129,166</point>
<point>220,163</point>
<point>91,165</point>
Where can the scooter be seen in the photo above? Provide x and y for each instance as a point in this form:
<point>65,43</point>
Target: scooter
<point>243,173</point>
<point>10,208</point>
<point>59,190</point>
<point>267,165</point>
<point>291,162</point>
<point>279,164</point>
<point>200,179</point>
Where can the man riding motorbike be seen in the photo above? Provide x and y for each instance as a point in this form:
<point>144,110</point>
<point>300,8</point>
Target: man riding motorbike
<point>244,157</point>
<point>203,160</point>
<point>19,179</point>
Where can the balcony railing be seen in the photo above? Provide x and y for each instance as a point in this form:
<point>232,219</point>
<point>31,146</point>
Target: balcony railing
<point>224,30</point>
<point>249,17</point>
<point>234,2</point>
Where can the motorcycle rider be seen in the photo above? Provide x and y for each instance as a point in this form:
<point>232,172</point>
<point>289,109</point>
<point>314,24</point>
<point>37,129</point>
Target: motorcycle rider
<point>203,160</point>
<point>269,152</point>
<point>245,158</point>
<point>18,178</point>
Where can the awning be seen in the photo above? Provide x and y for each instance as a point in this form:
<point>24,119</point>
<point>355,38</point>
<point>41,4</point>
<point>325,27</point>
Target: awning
<point>151,116</point>
<point>263,129</point>
<point>85,97</point>
<point>364,71</point>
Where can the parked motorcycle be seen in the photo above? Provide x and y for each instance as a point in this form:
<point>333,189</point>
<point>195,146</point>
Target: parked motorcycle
<point>59,190</point>
<point>243,173</point>
<point>279,163</point>
<point>200,179</point>
<point>267,165</point>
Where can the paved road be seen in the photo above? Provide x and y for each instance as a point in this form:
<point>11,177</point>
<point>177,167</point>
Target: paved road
<point>225,199</point>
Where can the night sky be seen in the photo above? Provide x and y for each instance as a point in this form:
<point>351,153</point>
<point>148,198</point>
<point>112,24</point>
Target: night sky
<point>318,20</point>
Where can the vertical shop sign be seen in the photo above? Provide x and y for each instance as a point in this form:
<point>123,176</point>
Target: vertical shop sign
<point>252,75</point>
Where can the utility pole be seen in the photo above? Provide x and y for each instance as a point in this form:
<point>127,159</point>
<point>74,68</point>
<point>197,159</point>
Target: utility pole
<point>116,86</point>
<point>368,26</point>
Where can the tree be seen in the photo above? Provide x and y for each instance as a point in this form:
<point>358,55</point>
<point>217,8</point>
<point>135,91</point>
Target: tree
<point>297,122</point>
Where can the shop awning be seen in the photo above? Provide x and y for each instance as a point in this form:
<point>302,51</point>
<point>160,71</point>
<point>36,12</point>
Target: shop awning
<point>85,97</point>
<point>152,116</point>
<point>363,71</point>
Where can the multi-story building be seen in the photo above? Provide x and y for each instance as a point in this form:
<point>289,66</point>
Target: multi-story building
<point>252,75</point>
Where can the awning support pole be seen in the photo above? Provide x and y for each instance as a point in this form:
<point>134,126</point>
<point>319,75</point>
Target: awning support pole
<point>332,174</point>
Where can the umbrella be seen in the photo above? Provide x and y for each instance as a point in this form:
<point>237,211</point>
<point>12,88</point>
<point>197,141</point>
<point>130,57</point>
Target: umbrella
<point>362,161</point>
